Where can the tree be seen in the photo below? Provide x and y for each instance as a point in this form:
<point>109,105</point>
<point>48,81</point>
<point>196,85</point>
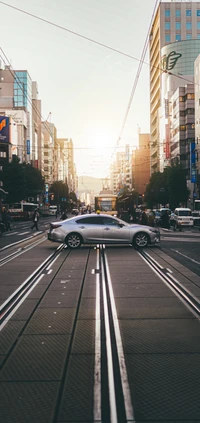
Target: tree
<point>13,181</point>
<point>33,180</point>
<point>169,187</point>
<point>177,186</point>
<point>157,190</point>
<point>21,181</point>
<point>60,191</point>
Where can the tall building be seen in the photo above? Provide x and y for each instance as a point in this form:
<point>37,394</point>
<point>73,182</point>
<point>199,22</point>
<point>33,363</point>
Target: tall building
<point>16,102</point>
<point>69,175</point>
<point>195,158</point>
<point>140,166</point>
<point>173,21</point>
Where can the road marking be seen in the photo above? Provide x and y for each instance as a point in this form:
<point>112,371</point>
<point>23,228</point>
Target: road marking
<point>97,367</point>
<point>183,255</point>
<point>11,233</point>
<point>23,233</point>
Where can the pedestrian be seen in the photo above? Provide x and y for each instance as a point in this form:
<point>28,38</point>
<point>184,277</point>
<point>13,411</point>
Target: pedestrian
<point>35,219</point>
<point>165,220</point>
<point>6,219</point>
<point>144,218</point>
<point>64,216</point>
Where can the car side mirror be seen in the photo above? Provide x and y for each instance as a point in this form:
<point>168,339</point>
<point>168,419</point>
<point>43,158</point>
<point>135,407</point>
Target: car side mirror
<point>121,225</point>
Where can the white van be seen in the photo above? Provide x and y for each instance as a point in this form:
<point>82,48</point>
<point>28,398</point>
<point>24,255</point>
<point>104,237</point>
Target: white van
<point>53,210</point>
<point>182,218</point>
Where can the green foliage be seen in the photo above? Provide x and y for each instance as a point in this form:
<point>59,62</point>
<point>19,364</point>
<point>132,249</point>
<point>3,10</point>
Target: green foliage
<point>21,181</point>
<point>169,187</point>
<point>60,190</point>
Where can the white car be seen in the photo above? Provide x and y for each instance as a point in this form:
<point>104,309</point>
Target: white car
<point>103,229</point>
<point>182,218</point>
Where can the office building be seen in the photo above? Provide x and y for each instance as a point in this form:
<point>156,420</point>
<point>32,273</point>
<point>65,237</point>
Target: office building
<point>172,22</point>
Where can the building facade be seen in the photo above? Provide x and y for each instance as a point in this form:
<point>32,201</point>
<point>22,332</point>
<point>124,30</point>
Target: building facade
<point>140,165</point>
<point>173,22</point>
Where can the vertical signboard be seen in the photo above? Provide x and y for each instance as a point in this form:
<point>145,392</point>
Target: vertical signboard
<point>28,147</point>
<point>46,193</point>
<point>193,162</point>
<point>4,129</point>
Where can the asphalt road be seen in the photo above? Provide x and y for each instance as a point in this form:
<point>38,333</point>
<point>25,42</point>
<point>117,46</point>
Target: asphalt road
<point>56,364</point>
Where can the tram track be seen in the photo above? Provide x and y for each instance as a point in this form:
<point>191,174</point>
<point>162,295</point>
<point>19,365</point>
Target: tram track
<point>21,251</point>
<point>166,275</point>
<point>12,303</point>
<point>111,391</point>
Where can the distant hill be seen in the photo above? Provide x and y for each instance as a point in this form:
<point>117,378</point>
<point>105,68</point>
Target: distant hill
<point>89,183</point>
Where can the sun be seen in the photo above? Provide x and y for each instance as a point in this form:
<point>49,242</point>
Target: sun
<point>100,140</point>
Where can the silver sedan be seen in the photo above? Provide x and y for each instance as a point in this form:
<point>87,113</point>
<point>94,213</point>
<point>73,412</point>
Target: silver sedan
<point>103,229</point>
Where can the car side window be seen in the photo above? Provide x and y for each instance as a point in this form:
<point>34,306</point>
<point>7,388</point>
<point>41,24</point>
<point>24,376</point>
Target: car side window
<point>109,221</point>
<point>92,220</point>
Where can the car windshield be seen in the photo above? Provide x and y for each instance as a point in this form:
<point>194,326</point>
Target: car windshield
<point>185,213</point>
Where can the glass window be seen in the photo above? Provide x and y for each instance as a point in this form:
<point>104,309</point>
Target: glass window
<point>188,12</point>
<point>188,25</point>
<point>167,38</point>
<point>167,13</point>
<point>198,36</point>
<point>167,25</point>
<point>178,25</point>
<point>92,220</point>
<point>178,13</point>
<point>178,37</point>
<point>198,25</point>
<point>110,221</point>
<point>188,36</point>
<point>198,12</point>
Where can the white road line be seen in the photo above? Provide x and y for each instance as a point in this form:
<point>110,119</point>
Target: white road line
<point>11,233</point>
<point>97,366</point>
<point>111,381</point>
<point>21,301</point>
<point>120,351</point>
<point>23,233</point>
<point>183,255</point>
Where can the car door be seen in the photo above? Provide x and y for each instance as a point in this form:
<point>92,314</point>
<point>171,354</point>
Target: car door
<point>91,228</point>
<point>114,233</point>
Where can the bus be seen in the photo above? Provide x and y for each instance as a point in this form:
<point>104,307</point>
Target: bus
<point>22,210</point>
<point>106,203</point>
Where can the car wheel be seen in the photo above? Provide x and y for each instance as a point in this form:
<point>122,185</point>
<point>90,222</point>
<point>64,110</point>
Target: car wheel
<point>73,240</point>
<point>141,239</point>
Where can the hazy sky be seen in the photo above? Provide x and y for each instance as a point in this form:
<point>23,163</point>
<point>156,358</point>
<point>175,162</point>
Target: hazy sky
<point>86,87</point>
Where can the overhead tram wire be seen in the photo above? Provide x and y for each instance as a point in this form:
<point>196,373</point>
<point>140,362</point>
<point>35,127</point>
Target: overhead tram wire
<point>20,84</point>
<point>91,40</point>
<point>141,62</point>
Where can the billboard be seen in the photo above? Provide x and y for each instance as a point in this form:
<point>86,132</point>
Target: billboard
<point>4,129</point>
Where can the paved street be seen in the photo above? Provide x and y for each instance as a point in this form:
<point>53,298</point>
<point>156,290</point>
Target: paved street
<point>99,317</point>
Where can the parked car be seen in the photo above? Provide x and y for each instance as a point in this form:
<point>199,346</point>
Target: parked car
<point>183,218</point>
<point>103,229</point>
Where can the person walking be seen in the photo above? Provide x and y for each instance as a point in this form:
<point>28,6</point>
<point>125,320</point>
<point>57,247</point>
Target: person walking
<point>35,219</point>
<point>6,219</point>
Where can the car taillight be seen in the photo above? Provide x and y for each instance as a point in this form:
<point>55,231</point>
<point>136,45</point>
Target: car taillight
<point>55,226</point>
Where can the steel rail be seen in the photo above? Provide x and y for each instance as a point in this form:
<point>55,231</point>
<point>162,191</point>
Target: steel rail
<point>21,251</point>
<point>21,292</point>
<point>173,283</point>
<point>121,409</point>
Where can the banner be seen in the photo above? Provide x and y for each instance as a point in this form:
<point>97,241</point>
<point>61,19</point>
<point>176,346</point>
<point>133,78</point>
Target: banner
<point>4,129</point>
